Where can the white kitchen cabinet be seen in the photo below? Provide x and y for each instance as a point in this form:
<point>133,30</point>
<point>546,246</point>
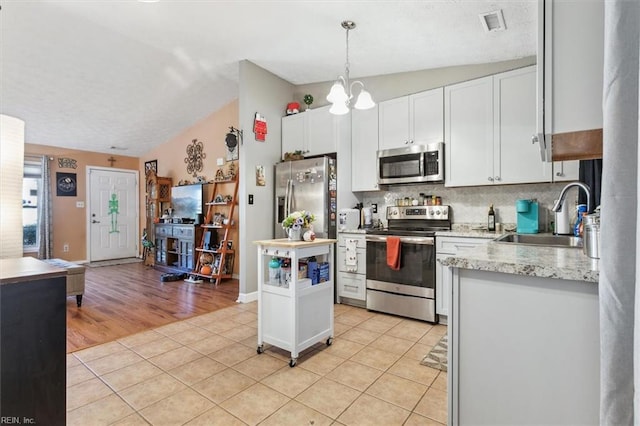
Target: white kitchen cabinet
<point>541,350</point>
<point>364,148</point>
<point>413,119</point>
<point>296,317</point>
<point>294,131</point>
<point>351,282</point>
<point>488,126</point>
<point>566,170</point>
<point>570,67</point>
<point>445,247</point>
<point>314,132</point>
<point>469,133</point>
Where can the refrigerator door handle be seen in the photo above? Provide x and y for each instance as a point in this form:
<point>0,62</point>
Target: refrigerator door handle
<point>287,199</point>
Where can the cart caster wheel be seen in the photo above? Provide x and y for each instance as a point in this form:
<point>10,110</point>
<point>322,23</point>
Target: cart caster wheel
<point>293,362</point>
<point>329,341</point>
<point>260,349</point>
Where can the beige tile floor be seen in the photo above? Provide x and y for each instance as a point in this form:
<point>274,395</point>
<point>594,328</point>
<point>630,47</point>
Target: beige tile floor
<point>205,371</point>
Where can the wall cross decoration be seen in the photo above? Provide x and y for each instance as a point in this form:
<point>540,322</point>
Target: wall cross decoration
<point>111,160</point>
<point>194,158</point>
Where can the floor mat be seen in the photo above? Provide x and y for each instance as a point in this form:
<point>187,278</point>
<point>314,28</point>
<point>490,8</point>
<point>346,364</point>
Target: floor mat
<point>437,357</point>
<point>114,262</point>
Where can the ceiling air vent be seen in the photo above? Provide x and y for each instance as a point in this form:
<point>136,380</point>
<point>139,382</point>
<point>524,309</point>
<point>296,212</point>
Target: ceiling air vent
<point>493,21</point>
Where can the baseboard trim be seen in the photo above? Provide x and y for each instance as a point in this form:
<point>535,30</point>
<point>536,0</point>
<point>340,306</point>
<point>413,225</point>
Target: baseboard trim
<point>247,297</point>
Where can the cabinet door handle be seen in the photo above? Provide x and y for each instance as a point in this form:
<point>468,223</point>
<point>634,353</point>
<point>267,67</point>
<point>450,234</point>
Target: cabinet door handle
<point>559,174</point>
<point>498,178</point>
<point>490,179</point>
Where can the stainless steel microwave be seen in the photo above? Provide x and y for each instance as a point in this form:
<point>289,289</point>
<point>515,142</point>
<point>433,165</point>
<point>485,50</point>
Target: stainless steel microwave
<point>411,164</point>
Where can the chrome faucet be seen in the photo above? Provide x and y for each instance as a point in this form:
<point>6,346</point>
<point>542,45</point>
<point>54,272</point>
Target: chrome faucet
<point>558,204</point>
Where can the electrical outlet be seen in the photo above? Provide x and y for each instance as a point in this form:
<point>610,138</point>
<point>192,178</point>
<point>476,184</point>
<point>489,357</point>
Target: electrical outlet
<point>65,248</point>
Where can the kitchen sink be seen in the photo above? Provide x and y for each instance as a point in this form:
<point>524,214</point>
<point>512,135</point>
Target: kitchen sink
<point>548,240</point>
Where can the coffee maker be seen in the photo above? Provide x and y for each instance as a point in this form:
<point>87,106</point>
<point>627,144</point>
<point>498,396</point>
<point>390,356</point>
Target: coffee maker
<point>527,216</point>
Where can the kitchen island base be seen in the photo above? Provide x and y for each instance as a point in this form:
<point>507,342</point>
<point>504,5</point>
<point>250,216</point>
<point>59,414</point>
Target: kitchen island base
<point>296,315</point>
<point>523,350</point>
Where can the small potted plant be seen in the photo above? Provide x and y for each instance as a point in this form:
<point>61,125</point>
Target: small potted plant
<point>308,100</point>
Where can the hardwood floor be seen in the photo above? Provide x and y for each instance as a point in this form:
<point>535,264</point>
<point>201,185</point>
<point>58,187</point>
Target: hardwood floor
<point>122,300</point>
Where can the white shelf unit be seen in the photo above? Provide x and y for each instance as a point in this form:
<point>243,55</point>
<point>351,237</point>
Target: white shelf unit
<point>297,317</point>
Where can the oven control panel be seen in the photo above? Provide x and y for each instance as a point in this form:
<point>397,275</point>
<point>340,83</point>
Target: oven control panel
<point>418,212</point>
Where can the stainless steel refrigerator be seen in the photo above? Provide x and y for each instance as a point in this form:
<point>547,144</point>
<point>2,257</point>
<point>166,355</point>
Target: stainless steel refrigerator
<point>311,185</point>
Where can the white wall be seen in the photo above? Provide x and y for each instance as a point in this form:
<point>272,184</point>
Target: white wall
<point>385,87</point>
<point>263,92</point>
<point>11,174</point>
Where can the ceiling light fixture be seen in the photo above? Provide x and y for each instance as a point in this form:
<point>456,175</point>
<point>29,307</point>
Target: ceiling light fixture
<point>342,91</point>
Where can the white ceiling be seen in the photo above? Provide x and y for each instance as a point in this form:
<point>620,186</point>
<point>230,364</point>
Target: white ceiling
<point>95,74</point>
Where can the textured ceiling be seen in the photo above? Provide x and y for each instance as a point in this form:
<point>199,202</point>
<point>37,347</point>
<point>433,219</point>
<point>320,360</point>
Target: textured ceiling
<point>96,74</point>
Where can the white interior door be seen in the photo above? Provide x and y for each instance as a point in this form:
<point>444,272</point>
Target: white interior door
<point>113,213</point>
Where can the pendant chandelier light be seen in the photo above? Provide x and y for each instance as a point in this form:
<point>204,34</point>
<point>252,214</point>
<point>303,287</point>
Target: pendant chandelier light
<point>341,92</point>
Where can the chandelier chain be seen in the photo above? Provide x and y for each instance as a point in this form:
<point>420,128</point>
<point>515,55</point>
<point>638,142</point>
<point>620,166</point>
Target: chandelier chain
<point>346,65</point>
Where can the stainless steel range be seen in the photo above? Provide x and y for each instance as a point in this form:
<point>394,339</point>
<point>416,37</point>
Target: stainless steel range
<point>409,291</point>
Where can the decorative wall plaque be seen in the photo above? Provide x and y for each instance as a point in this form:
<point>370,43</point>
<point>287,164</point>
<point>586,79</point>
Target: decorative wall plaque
<point>195,155</point>
<point>67,163</point>
<point>66,184</point>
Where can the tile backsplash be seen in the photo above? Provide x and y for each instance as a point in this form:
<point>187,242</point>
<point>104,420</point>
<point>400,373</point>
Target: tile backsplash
<point>471,204</point>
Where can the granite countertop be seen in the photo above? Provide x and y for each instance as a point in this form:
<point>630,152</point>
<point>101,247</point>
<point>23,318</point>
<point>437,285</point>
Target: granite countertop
<point>353,231</point>
<point>469,233</point>
<point>475,230</point>
<point>535,261</point>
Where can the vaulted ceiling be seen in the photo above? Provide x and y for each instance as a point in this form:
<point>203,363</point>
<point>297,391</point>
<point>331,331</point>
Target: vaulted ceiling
<point>97,74</point>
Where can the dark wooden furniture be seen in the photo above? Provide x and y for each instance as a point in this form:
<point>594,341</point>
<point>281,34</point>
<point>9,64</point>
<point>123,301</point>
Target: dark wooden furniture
<point>157,199</point>
<point>32,342</point>
<point>175,245</point>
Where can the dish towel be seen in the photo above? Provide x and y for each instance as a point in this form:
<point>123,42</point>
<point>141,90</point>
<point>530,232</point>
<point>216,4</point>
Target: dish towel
<point>393,252</point>
<point>351,261</point>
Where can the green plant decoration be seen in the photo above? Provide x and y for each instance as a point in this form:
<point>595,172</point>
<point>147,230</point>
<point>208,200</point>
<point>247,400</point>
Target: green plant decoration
<point>308,100</point>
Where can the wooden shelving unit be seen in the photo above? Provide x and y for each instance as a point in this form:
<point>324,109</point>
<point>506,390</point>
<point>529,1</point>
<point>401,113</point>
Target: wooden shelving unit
<point>158,197</point>
<point>218,223</point>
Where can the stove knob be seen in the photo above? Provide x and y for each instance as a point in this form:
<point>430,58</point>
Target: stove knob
<point>430,212</point>
<point>437,212</point>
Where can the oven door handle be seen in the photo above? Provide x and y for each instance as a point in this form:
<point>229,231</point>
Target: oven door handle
<point>428,241</point>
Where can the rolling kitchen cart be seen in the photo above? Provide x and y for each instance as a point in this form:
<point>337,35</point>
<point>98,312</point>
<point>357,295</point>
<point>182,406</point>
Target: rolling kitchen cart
<point>293,313</point>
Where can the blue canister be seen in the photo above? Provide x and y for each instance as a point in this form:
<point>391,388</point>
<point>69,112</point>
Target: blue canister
<point>274,272</point>
<point>582,208</point>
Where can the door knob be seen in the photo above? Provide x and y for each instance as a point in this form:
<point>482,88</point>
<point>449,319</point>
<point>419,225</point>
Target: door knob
<point>95,221</point>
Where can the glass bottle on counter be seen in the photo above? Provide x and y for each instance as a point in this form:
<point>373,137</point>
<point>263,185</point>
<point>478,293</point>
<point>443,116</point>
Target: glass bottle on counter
<point>491,219</point>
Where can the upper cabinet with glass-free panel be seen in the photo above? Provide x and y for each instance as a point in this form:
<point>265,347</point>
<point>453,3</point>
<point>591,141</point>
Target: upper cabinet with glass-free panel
<point>413,119</point>
<point>570,77</point>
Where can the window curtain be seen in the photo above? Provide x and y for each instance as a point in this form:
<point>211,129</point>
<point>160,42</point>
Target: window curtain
<point>45,231</point>
<point>590,172</point>
<point>620,243</point>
